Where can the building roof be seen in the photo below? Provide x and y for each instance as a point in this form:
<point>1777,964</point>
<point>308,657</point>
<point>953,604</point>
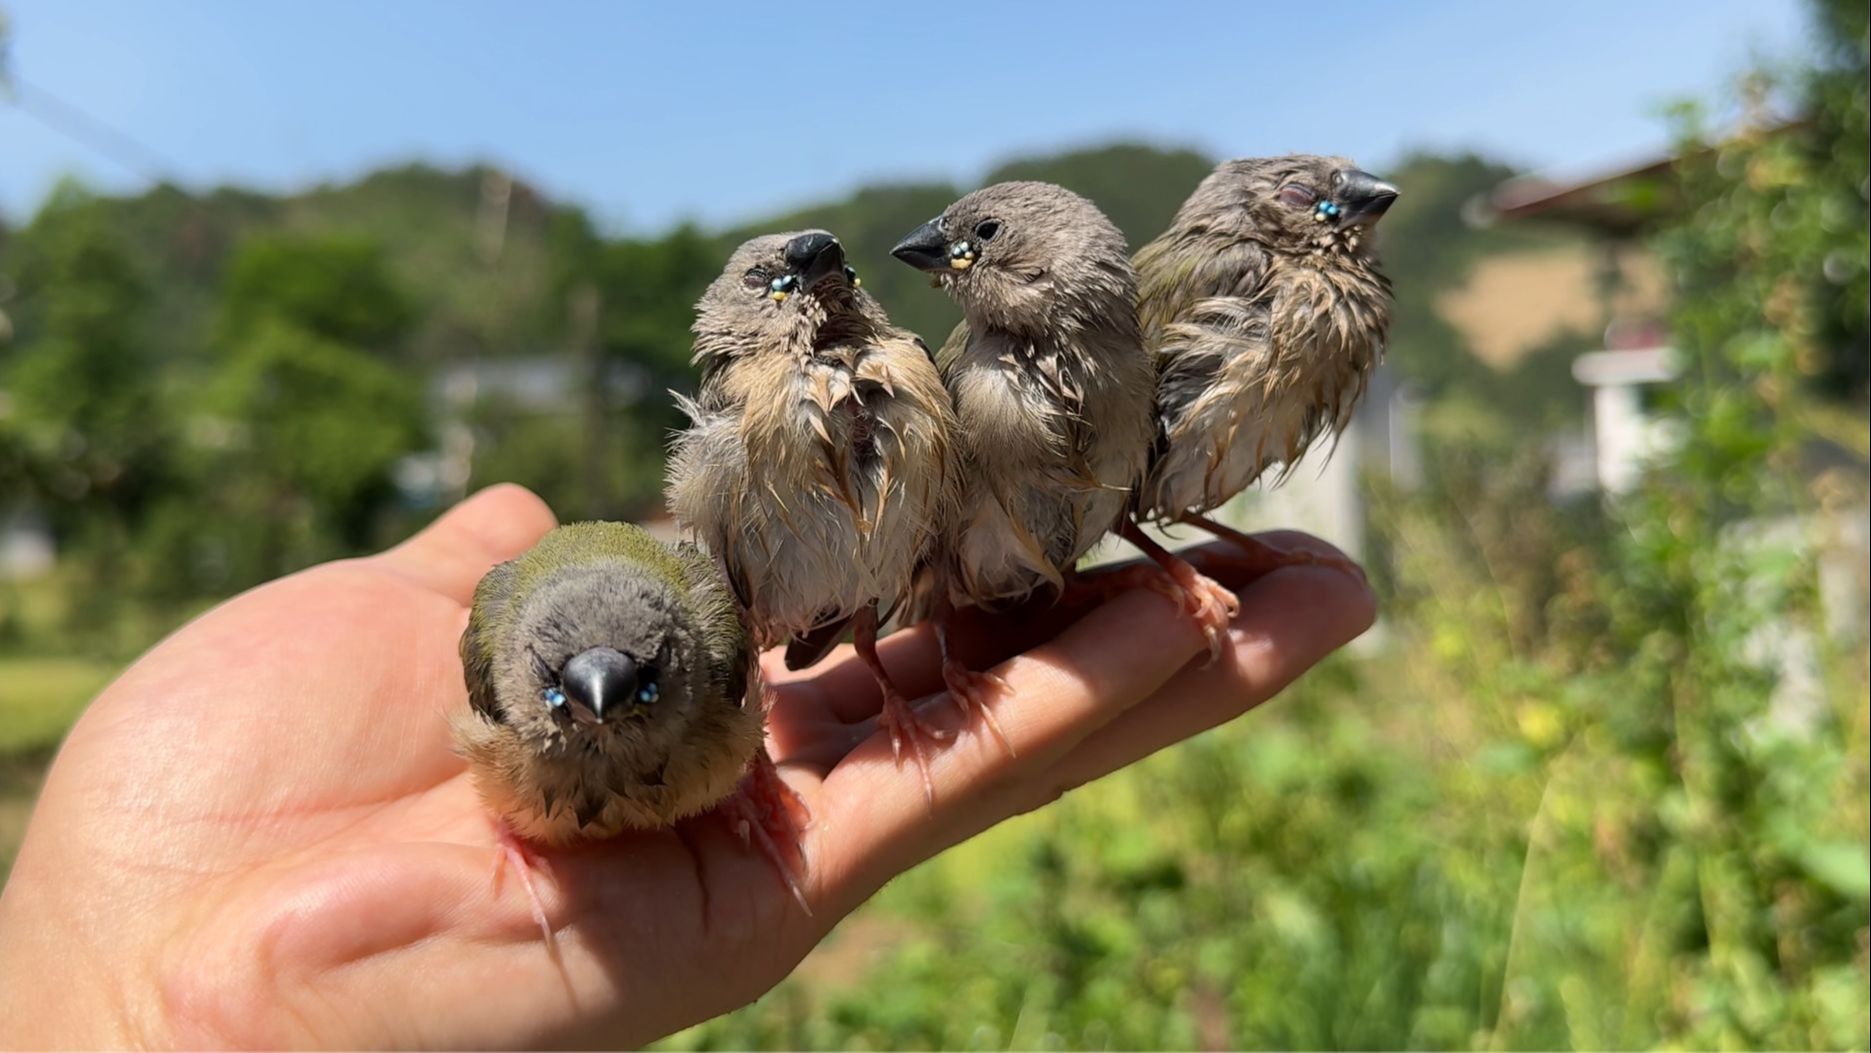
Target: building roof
<point>1617,201</point>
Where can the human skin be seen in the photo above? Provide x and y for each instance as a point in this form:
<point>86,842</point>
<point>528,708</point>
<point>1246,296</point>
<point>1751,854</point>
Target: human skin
<point>259,835</point>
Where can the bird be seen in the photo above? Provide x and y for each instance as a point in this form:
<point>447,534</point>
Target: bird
<point>607,680</point>
<point>1053,393</point>
<point>818,463</point>
<point>1267,310</point>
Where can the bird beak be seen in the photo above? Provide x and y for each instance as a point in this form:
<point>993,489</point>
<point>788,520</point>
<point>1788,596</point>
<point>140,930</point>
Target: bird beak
<point>814,256</point>
<point>925,248</point>
<point>1362,197</point>
<point>598,682</point>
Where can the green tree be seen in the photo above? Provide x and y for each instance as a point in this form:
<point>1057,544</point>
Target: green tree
<point>335,286</point>
<point>1839,143</point>
<point>305,414</point>
<point>88,426</point>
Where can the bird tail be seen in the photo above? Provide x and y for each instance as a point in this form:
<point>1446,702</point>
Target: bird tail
<point>919,603</point>
<point>809,648</point>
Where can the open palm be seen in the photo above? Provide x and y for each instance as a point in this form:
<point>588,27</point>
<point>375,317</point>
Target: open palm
<point>260,836</point>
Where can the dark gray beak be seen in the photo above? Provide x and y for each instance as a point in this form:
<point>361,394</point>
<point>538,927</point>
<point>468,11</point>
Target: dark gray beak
<point>1361,197</point>
<point>600,681</point>
<point>814,256</point>
<point>925,248</point>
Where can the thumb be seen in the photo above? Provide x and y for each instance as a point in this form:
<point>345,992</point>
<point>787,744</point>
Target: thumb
<point>453,553</point>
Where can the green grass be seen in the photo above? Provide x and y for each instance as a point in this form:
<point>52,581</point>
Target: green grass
<point>40,697</point>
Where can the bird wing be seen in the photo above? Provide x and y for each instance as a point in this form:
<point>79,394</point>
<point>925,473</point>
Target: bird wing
<point>952,348</point>
<point>477,640</point>
<point>1164,284</point>
<point>715,609</point>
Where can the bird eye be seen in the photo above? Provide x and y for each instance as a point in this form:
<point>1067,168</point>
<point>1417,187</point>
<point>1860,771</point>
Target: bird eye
<point>1297,196</point>
<point>551,693</point>
<point>987,229</point>
<point>648,691</point>
<point>755,278</point>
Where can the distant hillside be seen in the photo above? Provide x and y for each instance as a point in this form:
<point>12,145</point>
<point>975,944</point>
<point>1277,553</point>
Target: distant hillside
<point>489,265</point>
<point>426,220</point>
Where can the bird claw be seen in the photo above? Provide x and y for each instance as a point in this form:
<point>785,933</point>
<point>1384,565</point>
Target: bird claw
<point>971,691</point>
<point>1212,605</point>
<point>768,813</point>
<point>908,731</point>
<point>511,851</point>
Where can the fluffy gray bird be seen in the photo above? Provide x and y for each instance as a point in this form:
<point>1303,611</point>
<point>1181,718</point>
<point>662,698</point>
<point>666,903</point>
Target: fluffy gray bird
<point>818,462</point>
<point>1267,311</point>
<point>607,682</point>
<point>1053,391</point>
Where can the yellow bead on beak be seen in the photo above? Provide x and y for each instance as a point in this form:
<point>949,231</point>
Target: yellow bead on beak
<point>778,296</point>
<point>961,263</point>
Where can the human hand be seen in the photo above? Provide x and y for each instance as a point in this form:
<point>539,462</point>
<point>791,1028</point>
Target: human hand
<point>260,836</point>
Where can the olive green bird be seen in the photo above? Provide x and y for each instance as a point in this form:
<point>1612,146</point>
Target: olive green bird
<point>608,677</point>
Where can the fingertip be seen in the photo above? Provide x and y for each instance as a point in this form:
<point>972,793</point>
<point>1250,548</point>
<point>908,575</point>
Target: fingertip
<point>505,518</point>
<point>1302,613</point>
<point>492,526</point>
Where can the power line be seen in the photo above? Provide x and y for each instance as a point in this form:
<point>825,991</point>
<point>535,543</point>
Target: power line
<point>73,123</point>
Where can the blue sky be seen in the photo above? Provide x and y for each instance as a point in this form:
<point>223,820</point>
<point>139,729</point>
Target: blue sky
<point>650,113</point>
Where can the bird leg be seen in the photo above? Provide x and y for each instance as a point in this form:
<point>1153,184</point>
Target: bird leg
<point>1209,602</point>
<point>511,850</point>
<point>1265,558</point>
<point>766,811</point>
<point>971,690</point>
<point>907,729</point>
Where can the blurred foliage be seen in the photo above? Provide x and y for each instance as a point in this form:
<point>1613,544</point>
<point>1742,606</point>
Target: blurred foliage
<point>47,695</point>
<point>1601,783</point>
<point>335,288</point>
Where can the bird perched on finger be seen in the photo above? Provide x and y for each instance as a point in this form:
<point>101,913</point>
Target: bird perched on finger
<point>1267,310</point>
<point>818,462</point>
<point>607,679</point>
<point>1053,391</point>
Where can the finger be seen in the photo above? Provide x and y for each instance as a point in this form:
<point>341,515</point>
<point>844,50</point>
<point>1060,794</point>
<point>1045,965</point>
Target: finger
<point>1290,620</point>
<point>841,688</point>
<point>1117,654</point>
<point>457,550</point>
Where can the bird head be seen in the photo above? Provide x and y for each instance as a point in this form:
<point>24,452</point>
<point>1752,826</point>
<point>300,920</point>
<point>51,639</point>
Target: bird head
<point>1298,203</point>
<point>1024,256</point>
<point>791,291</point>
<point>601,653</point>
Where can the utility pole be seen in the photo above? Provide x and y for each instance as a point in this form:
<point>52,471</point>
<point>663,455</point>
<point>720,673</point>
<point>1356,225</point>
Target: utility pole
<point>490,220</point>
<point>588,354</point>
